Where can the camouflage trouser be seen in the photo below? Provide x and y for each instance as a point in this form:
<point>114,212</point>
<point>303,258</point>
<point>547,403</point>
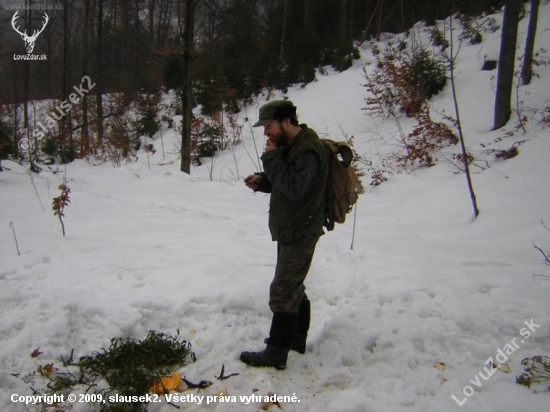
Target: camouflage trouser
<point>293,261</point>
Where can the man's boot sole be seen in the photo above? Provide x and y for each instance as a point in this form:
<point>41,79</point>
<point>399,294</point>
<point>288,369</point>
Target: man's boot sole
<point>257,365</point>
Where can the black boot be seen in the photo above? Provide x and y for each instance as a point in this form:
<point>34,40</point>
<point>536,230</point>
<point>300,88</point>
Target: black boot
<point>270,356</point>
<point>281,335</point>
<point>304,316</point>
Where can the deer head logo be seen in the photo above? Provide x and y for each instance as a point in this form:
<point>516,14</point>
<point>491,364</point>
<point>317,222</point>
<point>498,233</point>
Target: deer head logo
<point>29,40</point>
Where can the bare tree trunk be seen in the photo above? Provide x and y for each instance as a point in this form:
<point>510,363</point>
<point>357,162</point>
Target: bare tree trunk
<point>506,62</point>
<point>369,17</point>
<point>286,7</point>
<point>343,22</point>
<point>163,25</point>
<point>151,11</point>
<point>527,69</point>
<point>403,20</point>
<point>380,12</point>
<point>33,150</point>
<point>187,94</point>
<point>85,134</point>
<point>99,63</point>
<point>15,107</point>
<point>66,51</point>
<point>307,15</point>
<point>65,123</point>
<point>465,156</point>
<point>26,73</point>
<point>125,48</point>
<point>49,69</point>
<point>211,21</point>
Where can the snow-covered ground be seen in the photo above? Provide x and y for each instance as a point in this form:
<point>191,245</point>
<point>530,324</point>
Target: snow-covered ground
<point>403,322</point>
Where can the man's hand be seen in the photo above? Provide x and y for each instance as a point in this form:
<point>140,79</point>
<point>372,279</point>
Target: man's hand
<point>253,181</point>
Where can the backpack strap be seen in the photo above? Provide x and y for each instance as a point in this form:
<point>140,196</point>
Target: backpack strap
<point>345,152</point>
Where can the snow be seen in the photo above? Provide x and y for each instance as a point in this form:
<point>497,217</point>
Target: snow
<point>425,284</point>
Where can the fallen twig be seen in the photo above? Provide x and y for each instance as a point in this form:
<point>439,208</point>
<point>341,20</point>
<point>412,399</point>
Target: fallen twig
<point>15,238</point>
<point>222,376</point>
<point>200,385</point>
<point>546,259</point>
<point>173,404</point>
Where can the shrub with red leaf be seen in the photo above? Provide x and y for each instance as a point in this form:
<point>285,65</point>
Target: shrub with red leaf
<point>59,203</point>
<point>402,85</point>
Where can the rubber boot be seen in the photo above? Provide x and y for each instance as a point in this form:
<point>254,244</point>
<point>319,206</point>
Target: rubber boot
<point>281,335</point>
<point>270,356</point>
<point>304,317</point>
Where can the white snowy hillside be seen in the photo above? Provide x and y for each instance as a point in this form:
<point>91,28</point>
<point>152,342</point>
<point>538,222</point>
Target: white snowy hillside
<point>414,318</point>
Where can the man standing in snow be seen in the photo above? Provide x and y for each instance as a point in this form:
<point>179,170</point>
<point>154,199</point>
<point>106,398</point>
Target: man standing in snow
<point>295,165</point>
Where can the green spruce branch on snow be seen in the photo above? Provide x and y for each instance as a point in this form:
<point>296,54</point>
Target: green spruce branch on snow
<point>128,367</point>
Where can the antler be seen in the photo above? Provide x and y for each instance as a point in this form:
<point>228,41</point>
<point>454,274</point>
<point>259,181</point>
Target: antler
<point>36,33</point>
<point>13,24</point>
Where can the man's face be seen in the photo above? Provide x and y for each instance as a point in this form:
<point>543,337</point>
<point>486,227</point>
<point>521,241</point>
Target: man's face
<point>275,131</point>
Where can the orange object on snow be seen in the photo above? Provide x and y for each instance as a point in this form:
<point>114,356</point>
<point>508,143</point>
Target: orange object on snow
<point>166,384</point>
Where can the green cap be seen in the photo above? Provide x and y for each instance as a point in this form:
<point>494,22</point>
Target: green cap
<point>276,110</point>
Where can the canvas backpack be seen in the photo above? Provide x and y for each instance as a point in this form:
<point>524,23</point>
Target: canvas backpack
<point>343,184</point>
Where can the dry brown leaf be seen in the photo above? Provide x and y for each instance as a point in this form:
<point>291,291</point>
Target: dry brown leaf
<point>266,405</point>
<point>46,370</point>
<point>35,353</point>
<point>440,365</point>
<point>504,367</point>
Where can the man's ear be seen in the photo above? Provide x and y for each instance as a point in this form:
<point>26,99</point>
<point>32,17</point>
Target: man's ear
<point>285,124</point>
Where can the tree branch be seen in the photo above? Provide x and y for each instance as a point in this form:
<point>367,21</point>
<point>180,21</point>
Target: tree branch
<point>546,258</point>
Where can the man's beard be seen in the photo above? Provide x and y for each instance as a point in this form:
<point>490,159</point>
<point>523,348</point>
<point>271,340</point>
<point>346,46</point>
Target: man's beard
<point>281,139</point>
